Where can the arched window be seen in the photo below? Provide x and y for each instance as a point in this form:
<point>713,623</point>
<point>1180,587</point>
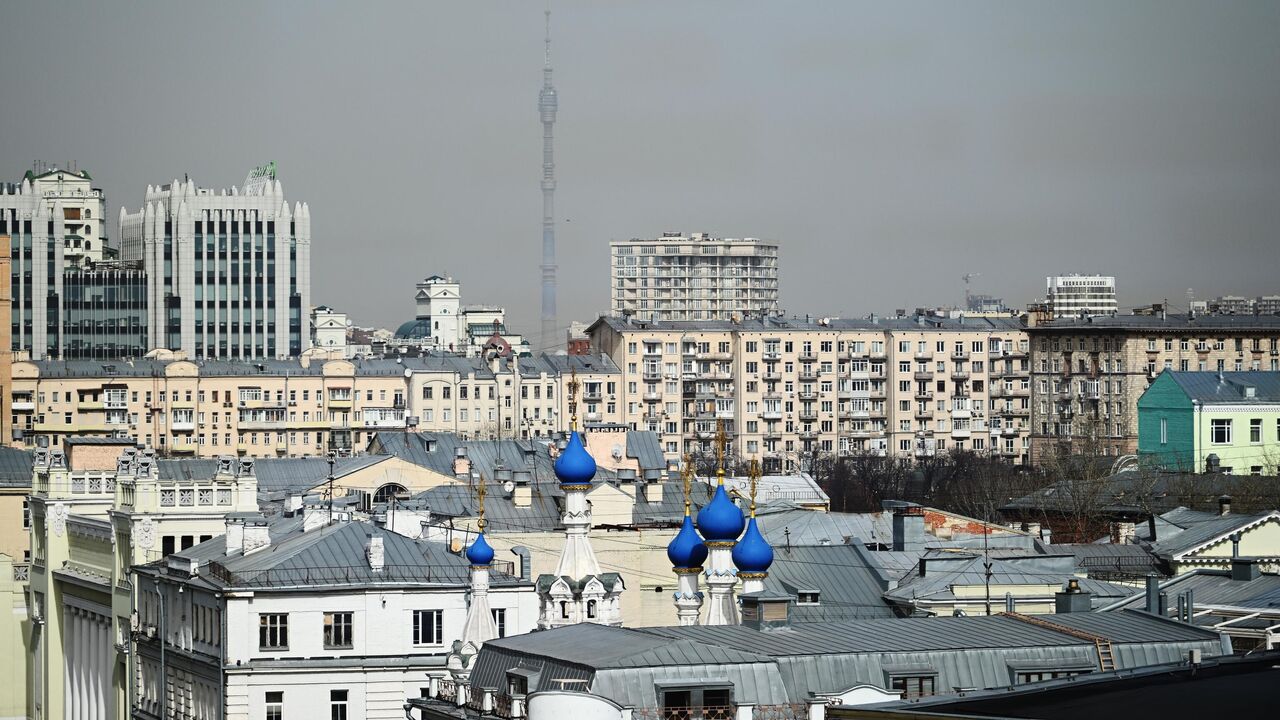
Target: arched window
<point>388,492</point>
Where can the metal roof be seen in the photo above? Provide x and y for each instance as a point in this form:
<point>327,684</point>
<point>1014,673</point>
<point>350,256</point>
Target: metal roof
<point>1228,387</point>
<point>1208,532</point>
<point>15,467</point>
<point>954,568</point>
<point>1156,323</point>
<point>930,323</point>
<point>1215,587</point>
<point>847,585</point>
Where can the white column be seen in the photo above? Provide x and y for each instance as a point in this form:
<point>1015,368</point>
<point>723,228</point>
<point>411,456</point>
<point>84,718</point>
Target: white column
<point>753,582</point>
<point>721,577</point>
<point>688,599</point>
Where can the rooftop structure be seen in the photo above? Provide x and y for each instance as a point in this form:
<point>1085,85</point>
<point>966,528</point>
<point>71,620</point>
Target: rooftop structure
<point>1081,295</point>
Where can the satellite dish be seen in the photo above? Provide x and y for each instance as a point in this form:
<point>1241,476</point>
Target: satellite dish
<point>617,452</point>
<point>508,486</point>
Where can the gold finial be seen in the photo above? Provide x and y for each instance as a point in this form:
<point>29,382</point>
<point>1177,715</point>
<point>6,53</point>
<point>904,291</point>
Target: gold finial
<point>755,479</point>
<point>573,399</point>
<point>480,499</point>
<point>721,439</point>
<point>686,474</point>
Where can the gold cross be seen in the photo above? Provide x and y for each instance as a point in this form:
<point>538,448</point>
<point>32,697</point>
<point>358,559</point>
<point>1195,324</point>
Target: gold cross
<point>721,439</point>
<point>754,472</point>
<point>573,399</point>
<point>687,475</point>
<point>480,497</point>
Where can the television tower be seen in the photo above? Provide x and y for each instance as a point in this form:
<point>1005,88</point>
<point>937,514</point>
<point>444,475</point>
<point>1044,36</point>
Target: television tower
<point>547,106</point>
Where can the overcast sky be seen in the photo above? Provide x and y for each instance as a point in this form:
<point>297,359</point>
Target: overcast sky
<point>888,148</point>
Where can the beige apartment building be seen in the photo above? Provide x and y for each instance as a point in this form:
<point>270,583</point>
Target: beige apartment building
<point>1088,373</point>
<point>788,388</point>
<point>278,408</point>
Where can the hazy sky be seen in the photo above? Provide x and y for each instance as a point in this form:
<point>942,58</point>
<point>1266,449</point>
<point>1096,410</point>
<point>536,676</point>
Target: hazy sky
<point>888,148</point>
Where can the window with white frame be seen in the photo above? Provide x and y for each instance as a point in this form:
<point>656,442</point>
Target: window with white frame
<point>428,627</point>
<point>1220,431</point>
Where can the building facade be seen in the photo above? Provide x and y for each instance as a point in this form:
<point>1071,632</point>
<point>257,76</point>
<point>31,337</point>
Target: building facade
<point>1081,295</point>
<point>1088,373</point>
<point>274,408</point>
<point>444,324</point>
<point>788,389</point>
<point>680,277</point>
<point>1185,418</point>
<point>228,273</point>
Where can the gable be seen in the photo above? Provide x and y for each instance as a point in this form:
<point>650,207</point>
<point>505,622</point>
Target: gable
<point>1260,540</point>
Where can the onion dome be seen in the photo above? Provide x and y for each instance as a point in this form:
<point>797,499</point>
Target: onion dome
<point>686,549</point>
<point>720,520</point>
<point>480,553</point>
<point>752,554</point>
<point>575,466</point>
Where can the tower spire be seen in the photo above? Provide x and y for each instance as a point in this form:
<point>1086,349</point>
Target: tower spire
<point>547,106</point>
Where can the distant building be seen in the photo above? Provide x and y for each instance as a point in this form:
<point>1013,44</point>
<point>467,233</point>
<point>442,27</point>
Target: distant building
<point>578,341</point>
<point>1237,305</point>
<point>1088,373</point>
<point>329,330</point>
<point>986,304</point>
<point>693,277</point>
<point>228,273</point>
<point>1081,295</point>
<point>1206,421</point>
<point>444,324</point>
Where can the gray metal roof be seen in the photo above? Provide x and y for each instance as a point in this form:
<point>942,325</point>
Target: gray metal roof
<point>848,586</point>
<point>15,467</point>
<point>1215,587</point>
<point>1156,323</point>
<point>1206,532</point>
<point>296,475</point>
<point>1228,387</point>
<point>946,569</point>
<point>335,555</point>
<point>783,523</point>
<point>928,323</point>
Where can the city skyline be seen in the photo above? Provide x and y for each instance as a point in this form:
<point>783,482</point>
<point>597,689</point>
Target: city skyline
<point>1026,147</point>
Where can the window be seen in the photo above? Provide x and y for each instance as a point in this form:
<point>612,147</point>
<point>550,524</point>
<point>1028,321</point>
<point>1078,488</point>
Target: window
<point>1255,430</point>
<point>1220,432</point>
<point>428,627</point>
<point>699,703</point>
<point>1030,676</point>
<point>338,705</point>
<point>807,598</point>
<point>337,630</point>
<point>273,631</point>
<point>500,620</point>
<point>1164,431</point>
<point>913,686</point>
<point>275,705</point>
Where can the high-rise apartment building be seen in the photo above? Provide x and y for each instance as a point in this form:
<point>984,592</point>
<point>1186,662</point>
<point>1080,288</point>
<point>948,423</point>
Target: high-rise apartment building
<point>694,277</point>
<point>785,389</point>
<point>1088,373</point>
<point>228,273</point>
<point>1081,295</point>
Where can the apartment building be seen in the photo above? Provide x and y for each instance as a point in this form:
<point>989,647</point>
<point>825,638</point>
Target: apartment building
<point>444,324</point>
<point>274,408</point>
<point>693,277</point>
<point>228,273</point>
<point>1088,373</point>
<point>1081,295</point>
<point>785,389</point>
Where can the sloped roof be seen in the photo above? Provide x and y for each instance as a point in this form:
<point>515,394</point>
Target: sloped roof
<point>1215,587</point>
<point>15,467</point>
<point>969,569</point>
<point>849,588</point>
<point>1206,532</point>
<point>1228,387</point>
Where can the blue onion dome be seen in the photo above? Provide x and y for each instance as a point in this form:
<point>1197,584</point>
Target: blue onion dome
<point>752,554</point>
<point>480,553</point>
<point>575,466</point>
<point>720,520</point>
<point>686,549</point>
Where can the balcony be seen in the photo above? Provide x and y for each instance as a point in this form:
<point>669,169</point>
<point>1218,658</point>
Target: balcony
<point>855,414</point>
<point>652,417</point>
<point>595,396</point>
<point>808,376</point>
<point>1064,394</point>
<point>959,374</point>
<point>652,375</point>
<point>807,395</point>
<point>772,435</point>
<point>772,376</point>
<point>593,417</point>
<point>22,404</point>
<point>653,397</point>
<point>808,434</point>
<point>807,356</point>
<point>923,413</point>
<point>923,356</point>
<point>808,416</point>
<point>719,375</point>
<point>183,446</point>
<point>90,405</point>
<point>771,415</point>
<point>924,394</point>
<point>878,355</point>
<point>182,425</point>
<point>771,357</point>
<point>1010,431</point>
<point>876,394</point>
<point>862,433</point>
<point>772,396</point>
<point>714,356</point>
<point>263,424</point>
<point>959,355</point>
<point>923,375</point>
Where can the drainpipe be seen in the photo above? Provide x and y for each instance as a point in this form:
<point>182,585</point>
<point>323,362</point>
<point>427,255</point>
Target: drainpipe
<point>164,682</point>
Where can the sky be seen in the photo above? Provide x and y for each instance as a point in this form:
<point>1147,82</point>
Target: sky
<point>888,148</point>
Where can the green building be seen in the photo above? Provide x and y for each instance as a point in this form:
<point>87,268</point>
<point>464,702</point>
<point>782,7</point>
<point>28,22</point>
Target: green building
<point>1188,421</point>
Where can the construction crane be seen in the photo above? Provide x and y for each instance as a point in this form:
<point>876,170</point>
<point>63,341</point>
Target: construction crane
<point>967,277</point>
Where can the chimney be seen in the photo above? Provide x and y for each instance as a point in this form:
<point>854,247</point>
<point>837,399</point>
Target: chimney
<point>1235,545</point>
<point>292,504</point>
<point>1032,528</point>
<point>908,529</point>
<point>524,564</point>
<point>1153,594</point>
<point>1046,535</point>
<point>1212,463</point>
<point>1072,599</point>
<point>522,495</point>
<point>1245,569</point>
<point>627,481</point>
<point>653,485</point>
<point>763,611</point>
<point>375,553</point>
<point>461,465</point>
<point>1224,505</point>
<point>1010,605</point>
<point>256,536</point>
<point>235,534</point>
<point>1123,532</point>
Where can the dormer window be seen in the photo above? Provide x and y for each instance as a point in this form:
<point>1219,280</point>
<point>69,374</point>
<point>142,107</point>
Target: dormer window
<point>807,598</point>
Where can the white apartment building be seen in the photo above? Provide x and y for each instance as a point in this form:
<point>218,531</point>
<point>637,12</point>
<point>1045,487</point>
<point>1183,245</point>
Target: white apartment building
<point>1081,295</point>
<point>786,389</point>
<point>302,617</point>
<point>228,273</point>
<point>680,277</point>
<point>55,220</point>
